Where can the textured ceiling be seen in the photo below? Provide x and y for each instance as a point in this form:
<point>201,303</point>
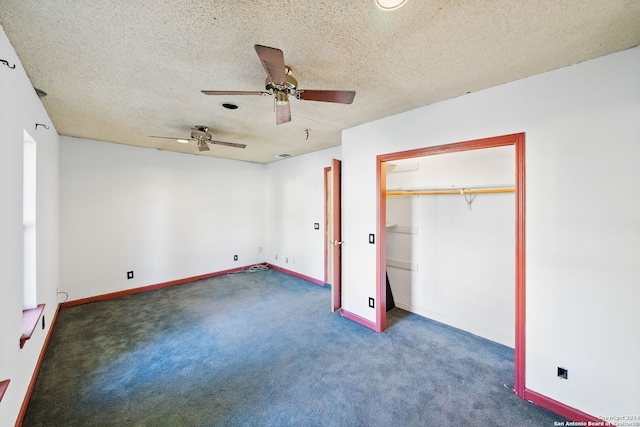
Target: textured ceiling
<point>120,71</point>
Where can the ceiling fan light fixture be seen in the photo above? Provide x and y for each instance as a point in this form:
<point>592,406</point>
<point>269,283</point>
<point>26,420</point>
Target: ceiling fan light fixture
<point>389,4</point>
<point>282,98</point>
<point>202,145</point>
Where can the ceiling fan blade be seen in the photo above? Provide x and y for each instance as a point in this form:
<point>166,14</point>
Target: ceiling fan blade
<point>228,144</point>
<point>166,137</point>
<point>273,62</point>
<point>233,92</point>
<point>339,96</point>
<point>283,113</point>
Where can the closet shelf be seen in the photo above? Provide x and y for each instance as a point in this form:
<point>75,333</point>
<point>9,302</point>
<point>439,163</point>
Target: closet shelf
<point>451,191</point>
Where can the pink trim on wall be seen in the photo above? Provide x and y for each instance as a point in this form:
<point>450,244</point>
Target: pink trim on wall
<point>381,247</point>
<point>326,225</point>
<point>560,408</point>
<point>34,376</point>
<point>298,275</point>
<point>521,307</point>
<point>148,288</point>
<point>336,214</point>
<point>361,320</point>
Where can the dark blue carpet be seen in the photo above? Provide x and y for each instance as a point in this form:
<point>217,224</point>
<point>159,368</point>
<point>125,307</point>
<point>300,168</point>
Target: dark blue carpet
<point>264,349</point>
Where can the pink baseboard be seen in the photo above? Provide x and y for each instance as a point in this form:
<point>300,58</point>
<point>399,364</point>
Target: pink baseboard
<point>298,275</point>
<point>561,409</point>
<point>361,320</point>
<point>148,288</point>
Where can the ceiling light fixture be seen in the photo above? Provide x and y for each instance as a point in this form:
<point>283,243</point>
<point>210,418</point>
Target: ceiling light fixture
<point>230,106</point>
<point>183,141</point>
<point>282,98</point>
<point>389,4</point>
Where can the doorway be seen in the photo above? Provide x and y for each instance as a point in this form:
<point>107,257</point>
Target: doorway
<point>333,232</point>
<point>515,140</point>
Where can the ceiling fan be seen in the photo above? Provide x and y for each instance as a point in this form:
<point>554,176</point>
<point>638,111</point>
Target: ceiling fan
<point>200,134</point>
<point>280,83</point>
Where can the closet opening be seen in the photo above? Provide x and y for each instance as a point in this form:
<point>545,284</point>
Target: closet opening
<point>451,238</point>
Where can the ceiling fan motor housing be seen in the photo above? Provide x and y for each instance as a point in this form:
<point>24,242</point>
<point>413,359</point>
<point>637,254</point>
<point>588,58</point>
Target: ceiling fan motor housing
<point>200,132</point>
<point>289,87</point>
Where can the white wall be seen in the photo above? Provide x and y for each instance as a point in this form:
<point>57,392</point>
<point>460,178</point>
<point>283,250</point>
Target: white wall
<point>582,126</point>
<point>162,215</point>
<point>295,201</point>
<point>20,109</point>
<point>457,265</point>
<point>125,208</point>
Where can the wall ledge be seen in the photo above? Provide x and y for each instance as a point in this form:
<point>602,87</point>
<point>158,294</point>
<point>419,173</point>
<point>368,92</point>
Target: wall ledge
<point>3,387</point>
<point>34,376</point>
<point>30,319</point>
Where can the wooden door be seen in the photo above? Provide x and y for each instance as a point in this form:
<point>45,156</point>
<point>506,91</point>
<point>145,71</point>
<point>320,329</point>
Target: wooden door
<point>333,234</point>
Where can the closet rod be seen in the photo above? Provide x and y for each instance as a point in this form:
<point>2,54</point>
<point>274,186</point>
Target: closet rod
<point>451,191</point>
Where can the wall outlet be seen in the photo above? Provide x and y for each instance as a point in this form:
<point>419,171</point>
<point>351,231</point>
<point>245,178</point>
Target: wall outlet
<point>563,373</point>
<point>235,257</point>
<point>129,275</point>
<point>286,260</point>
<point>276,256</point>
<point>372,238</point>
<point>372,302</point>
<point>316,226</point>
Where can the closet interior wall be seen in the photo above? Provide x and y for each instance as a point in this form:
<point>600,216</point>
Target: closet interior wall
<point>451,256</point>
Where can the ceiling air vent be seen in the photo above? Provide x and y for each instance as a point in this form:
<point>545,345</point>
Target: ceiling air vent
<point>282,156</point>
